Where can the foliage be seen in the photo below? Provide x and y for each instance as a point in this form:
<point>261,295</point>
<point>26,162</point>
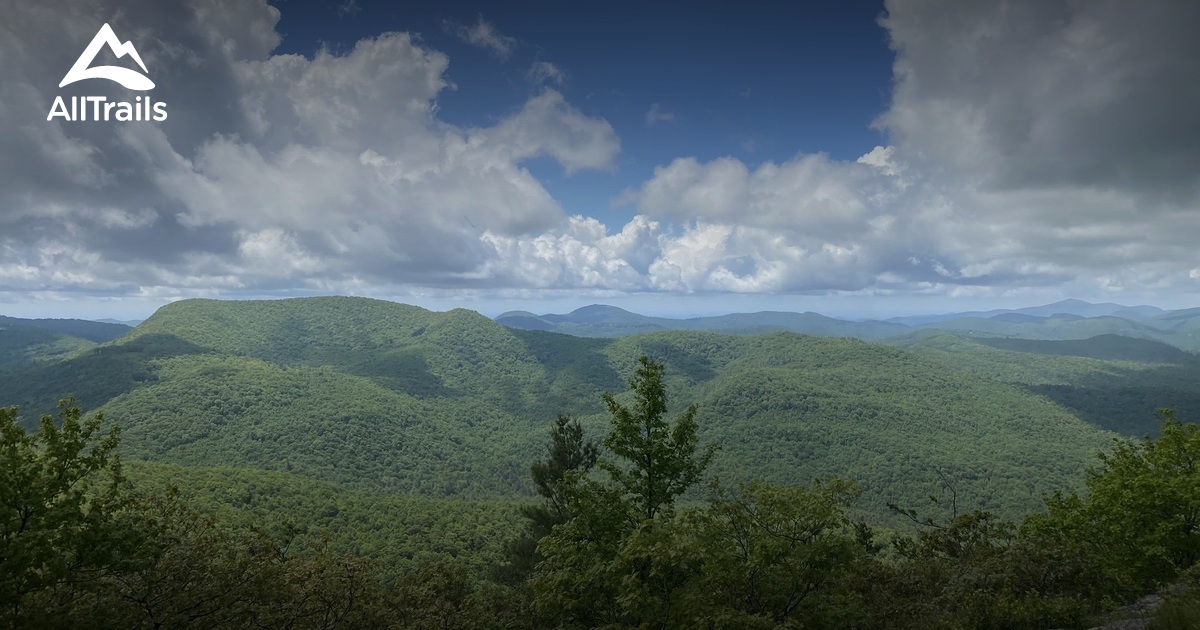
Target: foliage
<point>58,490</point>
<point>756,558</point>
<point>769,552</point>
<point>79,546</point>
<point>399,532</point>
<point>249,548</point>
<point>617,559</point>
<point>1142,511</point>
<point>660,459</point>
<point>568,452</point>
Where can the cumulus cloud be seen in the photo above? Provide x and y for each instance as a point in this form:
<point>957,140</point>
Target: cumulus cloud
<point>810,224</point>
<point>579,254</point>
<point>271,170</point>
<point>1047,144</point>
<point>484,35</point>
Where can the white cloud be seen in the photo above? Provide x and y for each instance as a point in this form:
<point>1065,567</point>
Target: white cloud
<point>275,250</point>
<point>548,125</point>
<point>484,35</point>
<point>272,171</point>
<point>578,255</point>
<point>1023,155</point>
<point>544,72</point>
<point>809,193</point>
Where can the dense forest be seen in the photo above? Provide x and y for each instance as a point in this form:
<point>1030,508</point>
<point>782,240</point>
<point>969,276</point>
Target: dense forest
<point>342,462</point>
<point>390,398</point>
<point>610,544</point>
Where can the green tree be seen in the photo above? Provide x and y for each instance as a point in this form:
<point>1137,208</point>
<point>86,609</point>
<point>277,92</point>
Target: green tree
<point>624,555</point>
<point>767,549</point>
<point>79,547</point>
<point>567,451</point>
<point>58,490</point>
<point>662,459</point>
<point>1141,516</point>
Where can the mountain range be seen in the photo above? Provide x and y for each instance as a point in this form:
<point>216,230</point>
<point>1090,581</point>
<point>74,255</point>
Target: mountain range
<point>386,397</point>
<point>1068,319</point>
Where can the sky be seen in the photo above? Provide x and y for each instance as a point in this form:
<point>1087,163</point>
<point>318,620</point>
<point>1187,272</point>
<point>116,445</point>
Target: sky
<point>858,159</point>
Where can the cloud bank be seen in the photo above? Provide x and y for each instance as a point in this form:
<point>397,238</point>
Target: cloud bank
<point>1047,144</point>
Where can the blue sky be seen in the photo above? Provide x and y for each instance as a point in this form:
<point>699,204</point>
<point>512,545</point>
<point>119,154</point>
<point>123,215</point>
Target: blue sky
<point>858,159</point>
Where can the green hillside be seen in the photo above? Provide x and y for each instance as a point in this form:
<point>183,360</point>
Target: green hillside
<point>96,332</point>
<point>404,348</point>
<point>1112,382</point>
<point>26,344</point>
<point>1055,328</point>
<point>94,376</point>
<point>387,397</point>
<point>790,408</point>
<point>398,531</point>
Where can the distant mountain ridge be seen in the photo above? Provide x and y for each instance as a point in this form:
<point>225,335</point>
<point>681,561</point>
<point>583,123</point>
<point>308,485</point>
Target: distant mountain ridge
<point>96,332</point>
<point>124,322</point>
<point>25,341</point>
<point>1069,306</point>
<point>1064,320</point>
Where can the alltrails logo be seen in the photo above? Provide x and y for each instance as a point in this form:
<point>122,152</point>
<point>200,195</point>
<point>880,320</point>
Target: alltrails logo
<point>100,107</point>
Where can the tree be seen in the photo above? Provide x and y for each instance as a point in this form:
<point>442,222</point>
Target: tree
<point>79,547</point>
<point>768,548</point>
<point>58,490</point>
<point>624,555</point>
<point>662,459</point>
<point>568,452</point>
<point>1142,513</point>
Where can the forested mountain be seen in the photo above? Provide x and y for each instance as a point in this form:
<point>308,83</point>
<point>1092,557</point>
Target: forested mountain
<point>1068,307</point>
<point>1066,320</point>
<point>389,397</point>
<point>609,321</point>
<point>97,332</point>
<point>25,341</point>
<point>399,531</point>
<point>1110,381</point>
<point>25,344</point>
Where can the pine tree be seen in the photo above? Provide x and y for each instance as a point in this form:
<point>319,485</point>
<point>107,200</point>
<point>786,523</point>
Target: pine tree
<point>568,451</point>
<point>663,462</point>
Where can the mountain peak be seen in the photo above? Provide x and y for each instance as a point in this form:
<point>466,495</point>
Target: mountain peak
<point>599,308</point>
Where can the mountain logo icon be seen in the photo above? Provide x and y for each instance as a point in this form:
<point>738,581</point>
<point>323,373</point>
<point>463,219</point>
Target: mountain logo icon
<point>126,77</point>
